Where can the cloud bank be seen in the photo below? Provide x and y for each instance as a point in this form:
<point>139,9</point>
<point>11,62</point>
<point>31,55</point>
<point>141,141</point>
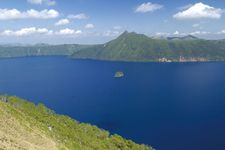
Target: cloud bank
<point>12,14</point>
<point>148,7</point>
<point>78,16</point>
<point>40,2</point>
<point>62,22</point>
<point>199,11</point>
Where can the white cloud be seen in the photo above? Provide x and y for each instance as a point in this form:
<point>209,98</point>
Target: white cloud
<point>78,32</point>
<point>40,2</point>
<point>148,7</point>
<point>110,33</point>
<point>35,1</point>
<point>198,11</point>
<point>221,32</point>
<point>176,33</point>
<point>10,14</point>
<point>62,22</point>
<point>68,31</point>
<point>40,31</point>
<point>78,16</point>
<point>200,33</point>
<point>162,34</point>
<point>89,26</point>
<point>167,34</point>
<point>117,27</point>
<point>26,31</point>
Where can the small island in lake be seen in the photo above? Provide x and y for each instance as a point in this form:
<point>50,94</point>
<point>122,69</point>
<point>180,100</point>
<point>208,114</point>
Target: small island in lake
<point>119,74</point>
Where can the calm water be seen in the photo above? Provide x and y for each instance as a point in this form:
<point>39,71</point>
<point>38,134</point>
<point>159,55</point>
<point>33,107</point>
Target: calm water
<point>177,106</point>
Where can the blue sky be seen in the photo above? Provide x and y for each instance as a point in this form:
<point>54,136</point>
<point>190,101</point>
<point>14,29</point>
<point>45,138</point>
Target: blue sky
<point>97,21</point>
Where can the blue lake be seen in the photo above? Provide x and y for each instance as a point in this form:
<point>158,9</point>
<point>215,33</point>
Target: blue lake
<point>176,106</point>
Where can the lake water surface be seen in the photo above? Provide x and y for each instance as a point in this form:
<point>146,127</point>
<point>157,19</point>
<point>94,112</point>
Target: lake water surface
<point>176,106</point>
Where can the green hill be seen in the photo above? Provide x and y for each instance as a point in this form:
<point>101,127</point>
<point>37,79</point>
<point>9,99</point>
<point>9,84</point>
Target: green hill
<point>8,51</point>
<point>35,127</point>
<point>129,47</point>
<point>138,47</point>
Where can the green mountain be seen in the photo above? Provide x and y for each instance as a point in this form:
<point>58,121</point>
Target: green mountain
<point>129,47</point>
<point>39,50</point>
<point>138,47</point>
<point>35,127</point>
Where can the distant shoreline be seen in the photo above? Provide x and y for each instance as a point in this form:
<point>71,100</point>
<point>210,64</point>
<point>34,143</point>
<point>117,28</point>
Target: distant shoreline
<point>112,60</point>
<point>130,47</point>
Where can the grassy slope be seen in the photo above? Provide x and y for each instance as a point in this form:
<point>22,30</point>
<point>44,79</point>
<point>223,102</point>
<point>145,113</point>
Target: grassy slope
<point>27,126</point>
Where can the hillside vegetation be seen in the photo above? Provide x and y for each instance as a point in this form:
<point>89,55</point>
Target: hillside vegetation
<point>27,126</point>
<point>129,47</point>
<point>138,47</point>
<point>8,51</point>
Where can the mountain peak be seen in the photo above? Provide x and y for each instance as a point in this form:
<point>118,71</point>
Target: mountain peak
<point>190,37</point>
<point>127,34</point>
<point>187,37</point>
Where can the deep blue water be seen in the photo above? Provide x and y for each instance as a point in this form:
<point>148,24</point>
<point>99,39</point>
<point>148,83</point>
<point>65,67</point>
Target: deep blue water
<point>176,106</point>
